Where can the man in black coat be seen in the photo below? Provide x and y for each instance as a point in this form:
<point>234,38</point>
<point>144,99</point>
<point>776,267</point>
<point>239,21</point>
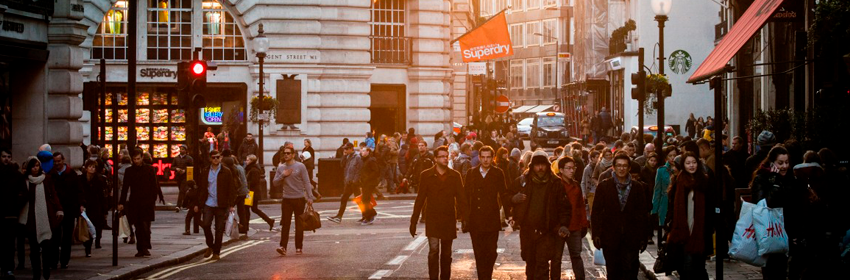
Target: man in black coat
<point>68,189</point>
<point>140,179</point>
<point>180,166</point>
<point>485,185</point>
<point>541,208</point>
<point>217,197</point>
<point>620,220</point>
<point>442,189</point>
<point>248,147</point>
<point>13,197</point>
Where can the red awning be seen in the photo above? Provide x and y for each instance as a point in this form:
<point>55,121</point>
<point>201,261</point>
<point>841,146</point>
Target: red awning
<point>743,30</point>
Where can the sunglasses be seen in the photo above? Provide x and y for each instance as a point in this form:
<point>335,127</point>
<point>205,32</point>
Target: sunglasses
<point>215,157</point>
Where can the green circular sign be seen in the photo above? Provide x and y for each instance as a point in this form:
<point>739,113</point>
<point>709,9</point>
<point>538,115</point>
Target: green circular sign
<point>680,62</point>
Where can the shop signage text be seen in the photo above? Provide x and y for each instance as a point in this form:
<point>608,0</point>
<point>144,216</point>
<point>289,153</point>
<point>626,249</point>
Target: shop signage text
<point>298,57</point>
<point>157,72</point>
<point>13,26</point>
<point>212,115</point>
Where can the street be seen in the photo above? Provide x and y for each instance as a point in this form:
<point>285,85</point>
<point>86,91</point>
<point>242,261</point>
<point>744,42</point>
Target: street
<point>384,250</point>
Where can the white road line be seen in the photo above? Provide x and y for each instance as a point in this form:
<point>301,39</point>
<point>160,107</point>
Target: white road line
<point>415,243</point>
<point>398,260</point>
<point>173,270</point>
<point>380,274</point>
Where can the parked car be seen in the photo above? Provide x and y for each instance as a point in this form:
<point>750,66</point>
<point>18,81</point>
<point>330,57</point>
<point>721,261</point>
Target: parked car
<point>549,130</point>
<point>653,130</point>
<point>523,127</point>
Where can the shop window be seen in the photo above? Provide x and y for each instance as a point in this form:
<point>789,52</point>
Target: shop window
<point>222,37</point>
<point>169,29</point>
<point>110,41</point>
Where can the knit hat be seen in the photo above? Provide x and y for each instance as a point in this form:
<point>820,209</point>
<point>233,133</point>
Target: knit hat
<point>46,159</point>
<point>766,138</point>
<point>516,154</point>
<point>538,157</point>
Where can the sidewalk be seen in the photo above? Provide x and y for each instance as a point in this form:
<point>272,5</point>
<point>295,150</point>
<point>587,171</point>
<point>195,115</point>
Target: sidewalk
<point>733,269</point>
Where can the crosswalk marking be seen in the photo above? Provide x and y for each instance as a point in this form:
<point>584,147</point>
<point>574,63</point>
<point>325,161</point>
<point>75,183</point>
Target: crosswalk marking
<point>398,260</point>
<point>380,274</point>
<point>415,243</point>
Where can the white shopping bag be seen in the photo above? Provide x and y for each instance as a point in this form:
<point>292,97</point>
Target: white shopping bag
<point>92,230</point>
<point>770,229</point>
<point>124,229</point>
<point>744,244</point>
<point>598,257</point>
<point>228,226</point>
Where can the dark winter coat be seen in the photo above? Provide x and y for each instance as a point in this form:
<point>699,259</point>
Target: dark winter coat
<point>420,164</point>
<point>462,164</point>
<point>68,189</point>
<point>485,195</point>
<point>442,198</point>
<point>370,174</point>
<point>52,201</point>
<point>247,148</point>
<point>95,202</point>
<point>309,163</point>
<point>141,182</point>
<point>225,189</point>
<point>781,192</point>
<point>191,198</point>
<point>625,229</point>
<point>558,208</point>
<point>13,191</point>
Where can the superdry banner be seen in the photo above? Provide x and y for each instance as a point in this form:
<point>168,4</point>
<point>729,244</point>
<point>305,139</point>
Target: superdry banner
<point>489,41</point>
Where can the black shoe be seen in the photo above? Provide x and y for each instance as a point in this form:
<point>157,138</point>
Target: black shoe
<point>106,227</point>
<point>132,240</point>
<point>186,233</point>
<point>271,224</point>
<point>125,239</point>
<point>147,253</point>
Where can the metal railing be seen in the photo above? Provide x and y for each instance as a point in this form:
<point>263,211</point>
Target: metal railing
<point>391,50</point>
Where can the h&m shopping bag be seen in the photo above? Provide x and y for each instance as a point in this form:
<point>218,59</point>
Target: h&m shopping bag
<point>744,244</point>
<point>770,229</point>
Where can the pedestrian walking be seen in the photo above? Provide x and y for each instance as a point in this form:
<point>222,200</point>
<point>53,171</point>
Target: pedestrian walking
<point>13,197</point>
<point>765,141</point>
<point>192,198</point>
<point>218,197</point>
<point>541,209</point>
<point>585,130</point>
<point>692,218</point>
<point>422,161</point>
<point>341,149</point>
<point>93,186</point>
<point>578,221</point>
<point>391,171</point>
<point>690,126</point>
<point>369,140</point>
<point>442,189</point>
<point>484,187</point>
<point>619,216</point>
<point>223,140</point>
<point>463,162</point>
<point>773,182</point>
<point>41,216</point>
<point>66,182</point>
<point>180,166</point>
<point>370,177</point>
<point>248,147</point>
<point>308,157</point>
<point>241,191</point>
<point>292,178</point>
<point>256,185</point>
<point>140,179</point>
<point>351,164</point>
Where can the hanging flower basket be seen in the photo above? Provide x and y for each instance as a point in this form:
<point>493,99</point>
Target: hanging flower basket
<point>267,105</point>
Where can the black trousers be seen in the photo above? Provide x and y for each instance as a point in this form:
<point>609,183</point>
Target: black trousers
<point>439,258</point>
<point>348,190</point>
<point>63,240</point>
<point>41,255</point>
<point>219,215</point>
<point>7,244</point>
<point>540,250</point>
<point>21,236</point>
<point>484,245</point>
<point>292,207</point>
<point>196,216</point>
<point>368,211</point>
<point>621,263</point>
<point>143,235</point>
<point>181,186</point>
<point>242,212</point>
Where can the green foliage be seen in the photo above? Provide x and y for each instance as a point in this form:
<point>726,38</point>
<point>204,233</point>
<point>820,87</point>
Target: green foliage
<point>814,129</point>
<point>268,104</point>
<point>830,30</point>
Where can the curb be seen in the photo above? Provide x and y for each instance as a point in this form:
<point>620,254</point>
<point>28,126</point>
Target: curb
<point>337,199</point>
<point>175,258</point>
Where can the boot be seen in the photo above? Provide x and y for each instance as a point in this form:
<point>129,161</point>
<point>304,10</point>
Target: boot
<point>132,239</point>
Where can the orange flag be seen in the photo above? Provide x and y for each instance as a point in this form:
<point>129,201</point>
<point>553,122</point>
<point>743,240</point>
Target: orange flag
<point>491,40</point>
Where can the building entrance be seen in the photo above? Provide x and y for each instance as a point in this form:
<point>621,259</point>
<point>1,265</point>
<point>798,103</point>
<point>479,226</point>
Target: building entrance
<point>389,109</point>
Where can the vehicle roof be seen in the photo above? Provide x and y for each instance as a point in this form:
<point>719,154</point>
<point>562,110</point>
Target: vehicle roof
<point>546,113</point>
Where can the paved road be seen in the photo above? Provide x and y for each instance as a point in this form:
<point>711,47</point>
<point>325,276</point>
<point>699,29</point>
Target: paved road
<point>384,250</point>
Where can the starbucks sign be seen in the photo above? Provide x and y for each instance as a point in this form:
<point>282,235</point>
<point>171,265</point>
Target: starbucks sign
<point>680,62</point>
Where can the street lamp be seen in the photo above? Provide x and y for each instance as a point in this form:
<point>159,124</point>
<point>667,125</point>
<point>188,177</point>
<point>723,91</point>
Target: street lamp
<point>261,46</point>
<point>661,8</point>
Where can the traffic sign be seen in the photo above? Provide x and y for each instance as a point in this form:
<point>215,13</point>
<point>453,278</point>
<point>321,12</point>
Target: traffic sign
<point>503,103</point>
<point>567,56</point>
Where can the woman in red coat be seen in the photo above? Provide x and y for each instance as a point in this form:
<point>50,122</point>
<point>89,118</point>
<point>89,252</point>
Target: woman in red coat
<point>41,215</point>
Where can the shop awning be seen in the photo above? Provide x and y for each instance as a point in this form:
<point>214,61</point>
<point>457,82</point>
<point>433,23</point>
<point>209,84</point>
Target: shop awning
<point>523,108</point>
<point>752,20</point>
<point>539,109</point>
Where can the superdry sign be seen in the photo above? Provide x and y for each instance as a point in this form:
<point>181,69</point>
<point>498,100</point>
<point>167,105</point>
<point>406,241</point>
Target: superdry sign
<point>157,72</point>
<point>490,40</point>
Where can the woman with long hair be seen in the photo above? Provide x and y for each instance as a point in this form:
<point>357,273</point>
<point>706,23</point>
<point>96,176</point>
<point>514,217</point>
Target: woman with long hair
<point>95,204</point>
<point>41,215</point>
<point>501,159</point>
<point>691,220</point>
<point>774,182</point>
<point>662,183</point>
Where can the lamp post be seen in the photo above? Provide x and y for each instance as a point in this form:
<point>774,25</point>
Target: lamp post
<point>661,8</point>
<point>261,45</point>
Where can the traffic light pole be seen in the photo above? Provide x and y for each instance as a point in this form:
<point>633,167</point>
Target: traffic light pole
<point>641,101</point>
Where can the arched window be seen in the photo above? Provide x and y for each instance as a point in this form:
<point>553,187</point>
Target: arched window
<point>169,25</point>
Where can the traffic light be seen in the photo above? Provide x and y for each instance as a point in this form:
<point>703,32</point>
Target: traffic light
<point>639,80</point>
<point>191,79</point>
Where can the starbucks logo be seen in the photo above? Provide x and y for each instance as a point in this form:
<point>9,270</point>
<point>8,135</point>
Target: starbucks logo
<point>680,62</point>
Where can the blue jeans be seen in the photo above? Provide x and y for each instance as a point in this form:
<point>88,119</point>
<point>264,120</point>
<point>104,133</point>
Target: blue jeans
<point>574,245</point>
<point>219,215</point>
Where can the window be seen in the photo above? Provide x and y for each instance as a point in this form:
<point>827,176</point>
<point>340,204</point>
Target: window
<point>532,4</point>
<point>169,29</point>
<point>517,74</point>
<point>486,7</point>
<point>532,73</point>
<point>549,72</point>
<point>389,44</point>
<point>110,42</point>
<point>516,35</point>
<point>550,35</point>
<point>550,3</point>
<point>532,31</point>
<point>499,5</point>
<point>516,5</point>
<point>222,38</point>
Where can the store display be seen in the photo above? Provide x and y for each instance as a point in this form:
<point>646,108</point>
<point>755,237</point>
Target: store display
<point>178,116</point>
<point>160,133</point>
<point>122,133</point>
<point>159,98</point>
<point>178,133</point>
<point>143,98</point>
<point>160,116</point>
<point>145,147</point>
<point>174,100</point>
<point>160,151</point>
<point>122,115</point>
<point>175,150</point>
<point>143,115</point>
<point>143,133</point>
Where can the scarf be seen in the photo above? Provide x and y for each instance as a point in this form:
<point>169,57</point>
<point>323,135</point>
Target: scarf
<point>623,190</point>
<point>579,220</point>
<point>681,232</point>
<point>41,218</point>
<point>540,180</point>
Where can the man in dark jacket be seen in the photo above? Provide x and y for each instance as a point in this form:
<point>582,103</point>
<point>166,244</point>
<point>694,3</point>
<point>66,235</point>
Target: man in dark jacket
<point>766,140</point>
<point>422,161</point>
<point>217,196</point>
<point>441,188</point>
<point>351,164</point>
<point>68,189</point>
<point>13,195</point>
<point>370,176</point>
<point>140,179</point>
<point>541,208</point>
<point>248,147</point>
<point>180,166</point>
<point>620,217</point>
<point>485,185</point>
<point>463,161</point>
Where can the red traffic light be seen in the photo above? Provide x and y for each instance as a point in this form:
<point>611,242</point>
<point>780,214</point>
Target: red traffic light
<point>198,68</point>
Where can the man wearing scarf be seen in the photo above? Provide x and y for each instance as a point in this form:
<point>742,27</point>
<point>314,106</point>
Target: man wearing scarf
<point>620,216</point>
<point>543,212</point>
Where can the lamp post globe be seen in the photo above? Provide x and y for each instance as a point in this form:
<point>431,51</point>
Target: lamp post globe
<point>661,7</point>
